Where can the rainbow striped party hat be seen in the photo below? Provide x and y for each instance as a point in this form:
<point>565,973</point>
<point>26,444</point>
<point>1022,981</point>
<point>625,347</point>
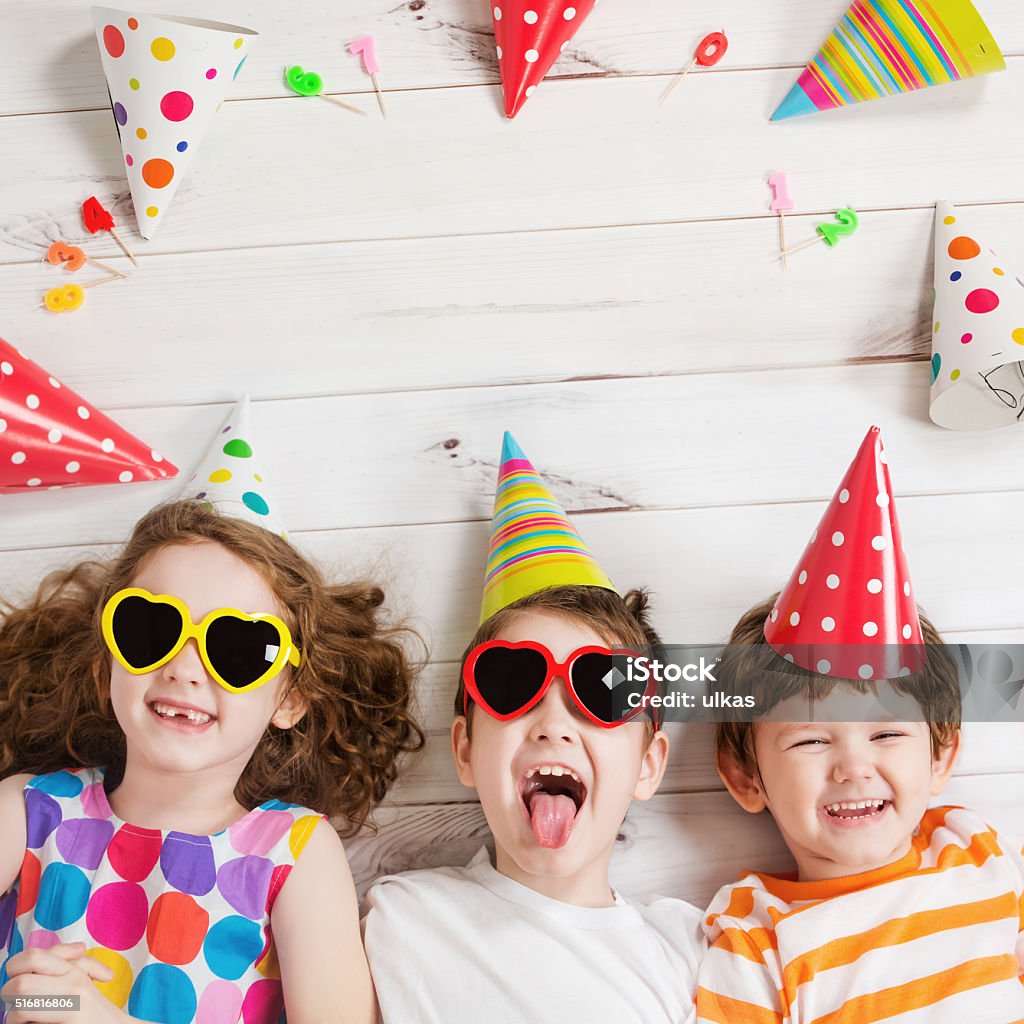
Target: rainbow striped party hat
<point>229,478</point>
<point>533,544</point>
<point>884,47</point>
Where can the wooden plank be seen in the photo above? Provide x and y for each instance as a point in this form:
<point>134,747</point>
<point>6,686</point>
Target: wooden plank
<point>461,312</point>
<point>684,845</point>
<point>692,441</point>
<point>705,567</point>
<point>452,167</point>
<point>426,46</point>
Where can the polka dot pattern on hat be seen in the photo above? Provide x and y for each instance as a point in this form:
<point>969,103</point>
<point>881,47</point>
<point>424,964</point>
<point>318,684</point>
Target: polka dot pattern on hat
<point>977,329</point>
<point>529,35</point>
<point>848,603</point>
<point>231,477</point>
<point>51,437</point>
<point>166,80</point>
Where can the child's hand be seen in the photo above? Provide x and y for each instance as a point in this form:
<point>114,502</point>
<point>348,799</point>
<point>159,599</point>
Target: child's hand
<point>62,970</point>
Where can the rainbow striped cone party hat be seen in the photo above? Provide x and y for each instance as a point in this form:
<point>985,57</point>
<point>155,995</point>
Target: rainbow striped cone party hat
<point>533,544</point>
<point>229,477</point>
<point>884,47</point>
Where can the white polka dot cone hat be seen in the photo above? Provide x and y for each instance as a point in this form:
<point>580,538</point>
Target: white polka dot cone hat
<point>230,476</point>
<point>529,35</point>
<point>848,610</point>
<point>167,78</point>
<point>51,437</point>
<point>977,330</point>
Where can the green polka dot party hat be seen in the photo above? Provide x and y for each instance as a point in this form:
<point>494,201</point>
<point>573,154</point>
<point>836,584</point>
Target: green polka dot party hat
<point>230,476</point>
<point>977,371</point>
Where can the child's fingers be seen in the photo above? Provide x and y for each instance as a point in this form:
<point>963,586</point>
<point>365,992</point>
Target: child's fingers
<point>96,970</point>
<point>68,950</point>
<point>43,961</point>
<point>58,960</point>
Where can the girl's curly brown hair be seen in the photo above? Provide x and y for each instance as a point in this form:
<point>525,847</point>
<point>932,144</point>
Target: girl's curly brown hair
<point>356,677</point>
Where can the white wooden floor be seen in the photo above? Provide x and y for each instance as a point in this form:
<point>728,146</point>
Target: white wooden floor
<point>595,276</point>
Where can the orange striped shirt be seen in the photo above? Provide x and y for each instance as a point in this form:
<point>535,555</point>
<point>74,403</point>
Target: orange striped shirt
<point>935,938</point>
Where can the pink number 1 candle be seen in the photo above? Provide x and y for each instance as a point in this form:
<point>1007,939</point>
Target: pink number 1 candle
<point>781,201</point>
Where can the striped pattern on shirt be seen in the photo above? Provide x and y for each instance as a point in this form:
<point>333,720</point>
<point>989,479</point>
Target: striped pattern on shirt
<point>935,938</point>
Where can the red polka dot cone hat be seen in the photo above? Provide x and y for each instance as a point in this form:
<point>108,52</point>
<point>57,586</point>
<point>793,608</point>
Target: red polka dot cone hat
<point>51,437</point>
<point>977,330</point>
<point>230,477</point>
<point>166,77</point>
<point>848,610</point>
<point>529,35</point>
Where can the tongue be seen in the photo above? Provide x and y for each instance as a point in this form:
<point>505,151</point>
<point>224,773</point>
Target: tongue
<point>552,818</point>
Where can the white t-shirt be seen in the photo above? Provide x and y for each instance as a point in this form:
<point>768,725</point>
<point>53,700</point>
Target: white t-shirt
<point>466,945</point>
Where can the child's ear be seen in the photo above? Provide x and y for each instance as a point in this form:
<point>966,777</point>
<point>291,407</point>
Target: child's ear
<point>292,709</point>
<point>745,789</point>
<point>942,766</point>
<point>652,767</point>
<point>460,751</point>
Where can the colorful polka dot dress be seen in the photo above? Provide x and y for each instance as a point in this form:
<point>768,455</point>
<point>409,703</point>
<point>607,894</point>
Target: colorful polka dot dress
<point>183,921</point>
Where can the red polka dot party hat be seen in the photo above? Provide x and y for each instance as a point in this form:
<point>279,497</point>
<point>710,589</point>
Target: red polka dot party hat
<point>977,330</point>
<point>848,610</point>
<point>529,36</point>
<point>230,479</point>
<point>51,437</point>
<point>167,78</point>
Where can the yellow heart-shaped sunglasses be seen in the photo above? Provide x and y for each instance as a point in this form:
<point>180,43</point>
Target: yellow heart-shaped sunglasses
<point>144,631</point>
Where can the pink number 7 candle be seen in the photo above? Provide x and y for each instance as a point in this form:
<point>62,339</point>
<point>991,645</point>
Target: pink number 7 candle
<point>365,45</point>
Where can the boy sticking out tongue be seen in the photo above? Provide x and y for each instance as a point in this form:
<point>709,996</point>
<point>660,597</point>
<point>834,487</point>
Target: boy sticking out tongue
<point>546,737</point>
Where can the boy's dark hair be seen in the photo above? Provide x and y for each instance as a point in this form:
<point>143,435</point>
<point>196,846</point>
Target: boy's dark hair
<point>750,666</point>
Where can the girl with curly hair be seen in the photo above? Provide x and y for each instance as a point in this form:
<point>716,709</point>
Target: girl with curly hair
<point>174,726</point>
